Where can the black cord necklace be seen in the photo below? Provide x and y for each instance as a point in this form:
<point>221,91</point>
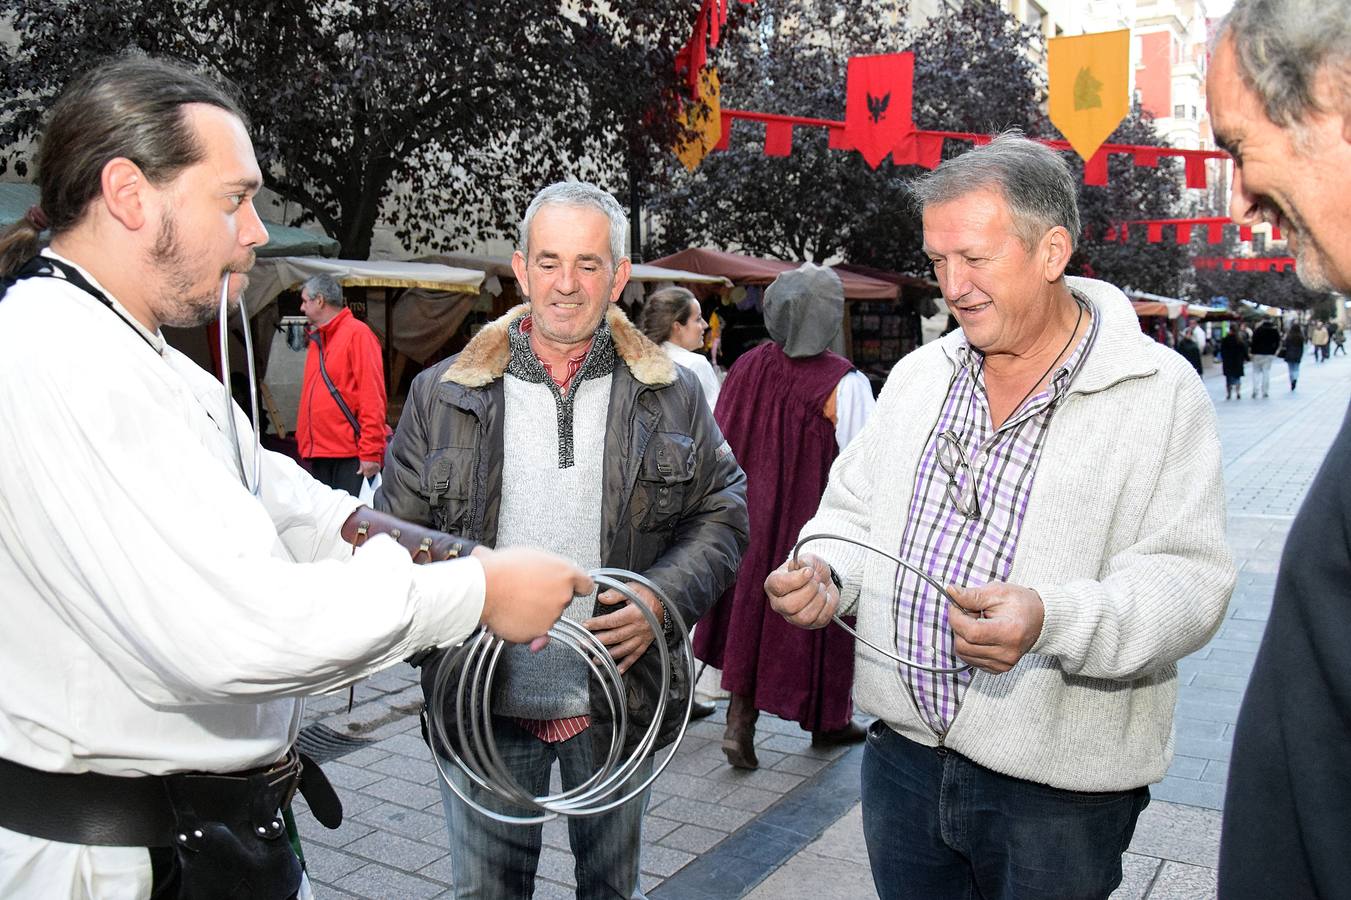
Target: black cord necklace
<point>1078,319</point>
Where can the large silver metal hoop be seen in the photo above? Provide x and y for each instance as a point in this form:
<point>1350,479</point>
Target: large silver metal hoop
<point>920,573</point>
<point>478,757</point>
<point>224,335</point>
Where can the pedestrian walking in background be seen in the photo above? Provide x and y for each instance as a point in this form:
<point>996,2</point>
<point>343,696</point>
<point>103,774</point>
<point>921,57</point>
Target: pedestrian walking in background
<point>1190,352</point>
<point>1339,340</point>
<point>1292,351</point>
<point>340,426</point>
<point>787,409</point>
<point>1320,337</point>
<point>1266,341</point>
<point>1233,354</point>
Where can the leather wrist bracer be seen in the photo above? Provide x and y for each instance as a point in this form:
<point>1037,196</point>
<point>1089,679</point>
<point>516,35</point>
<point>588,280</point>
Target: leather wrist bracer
<point>423,544</point>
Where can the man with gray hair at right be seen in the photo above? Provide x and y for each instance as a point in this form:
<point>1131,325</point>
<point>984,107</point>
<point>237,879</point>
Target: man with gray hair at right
<point>1279,92</point>
<point>1060,473</point>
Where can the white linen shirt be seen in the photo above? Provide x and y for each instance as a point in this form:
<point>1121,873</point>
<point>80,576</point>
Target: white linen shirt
<point>158,616</point>
<point>700,366</point>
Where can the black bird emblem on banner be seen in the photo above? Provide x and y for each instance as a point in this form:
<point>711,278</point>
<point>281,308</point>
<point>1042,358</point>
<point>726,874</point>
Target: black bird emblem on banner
<point>877,106</point>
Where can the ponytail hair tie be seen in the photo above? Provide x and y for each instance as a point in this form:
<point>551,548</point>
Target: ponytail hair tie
<point>38,218</point>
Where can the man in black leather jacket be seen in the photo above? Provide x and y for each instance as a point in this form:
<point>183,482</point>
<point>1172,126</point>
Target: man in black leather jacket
<point>561,425</point>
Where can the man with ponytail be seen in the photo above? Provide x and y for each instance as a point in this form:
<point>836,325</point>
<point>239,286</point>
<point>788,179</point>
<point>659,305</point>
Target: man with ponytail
<point>171,595</point>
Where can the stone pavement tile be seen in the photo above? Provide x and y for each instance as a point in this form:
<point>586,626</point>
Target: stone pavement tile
<point>1179,833</point>
<point>351,777</point>
<point>1234,683</point>
<point>558,866</point>
<point>364,757</point>
<point>751,799</point>
<point>1240,657</point>
<point>693,838</point>
<point>392,850</point>
<point>1190,793</point>
<point>698,762</point>
<point>693,812</point>
<point>311,832</point>
<point>844,839</point>
<point>1201,748</point>
<point>403,821</point>
<point>1137,875</point>
<point>1187,767</point>
<point>555,833</point>
<point>439,871</point>
<point>409,745</point>
<point>706,789</point>
<point>381,881</point>
<point>649,883</point>
<point>1202,711</point>
<point>419,771</point>
<point>1211,731</point>
<point>354,803</point>
<point>1223,666</point>
<point>1178,881</point>
<point>664,861</point>
<point>1242,629</point>
<point>778,782</point>
<point>1216,772</point>
<point>788,744</point>
<point>404,793</point>
<point>655,827</point>
<point>811,877</point>
<point>549,890</point>
<point>806,766</point>
<point>326,865</point>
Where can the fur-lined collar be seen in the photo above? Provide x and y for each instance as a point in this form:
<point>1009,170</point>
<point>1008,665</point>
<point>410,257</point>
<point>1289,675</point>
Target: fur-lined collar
<point>485,358</point>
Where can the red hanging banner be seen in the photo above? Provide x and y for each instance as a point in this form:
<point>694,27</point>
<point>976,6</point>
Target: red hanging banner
<point>877,105</point>
<point>778,139</point>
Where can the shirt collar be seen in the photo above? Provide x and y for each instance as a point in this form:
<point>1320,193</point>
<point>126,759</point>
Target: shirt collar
<point>154,338</point>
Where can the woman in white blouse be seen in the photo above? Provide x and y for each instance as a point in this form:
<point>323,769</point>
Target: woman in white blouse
<point>672,318</point>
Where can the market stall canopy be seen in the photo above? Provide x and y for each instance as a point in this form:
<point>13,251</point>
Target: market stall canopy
<point>282,240</point>
<point>742,269</point>
<point>271,277</point>
<point>499,267</point>
<point>1147,304</point>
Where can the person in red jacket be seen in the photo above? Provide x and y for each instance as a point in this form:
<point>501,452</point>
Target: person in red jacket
<point>341,425</point>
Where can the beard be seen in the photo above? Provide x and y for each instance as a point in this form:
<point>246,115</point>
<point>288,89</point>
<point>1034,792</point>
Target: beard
<point>182,301</point>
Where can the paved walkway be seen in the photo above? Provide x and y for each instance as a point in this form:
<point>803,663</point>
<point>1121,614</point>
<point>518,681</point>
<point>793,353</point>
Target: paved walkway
<point>792,829</point>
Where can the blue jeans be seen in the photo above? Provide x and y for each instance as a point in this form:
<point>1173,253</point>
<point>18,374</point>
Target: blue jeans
<point>493,860</point>
<point>940,826</point>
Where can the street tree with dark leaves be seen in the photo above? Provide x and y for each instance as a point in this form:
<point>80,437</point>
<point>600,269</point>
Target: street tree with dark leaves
<point>440,119</point>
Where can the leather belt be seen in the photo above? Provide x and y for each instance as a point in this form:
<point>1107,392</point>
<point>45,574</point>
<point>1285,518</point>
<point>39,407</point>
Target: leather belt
<point>133,811</point>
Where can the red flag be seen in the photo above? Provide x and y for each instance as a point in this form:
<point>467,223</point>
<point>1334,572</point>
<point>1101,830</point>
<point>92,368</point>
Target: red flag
<point>1195,171</point>
<point>778,139</point>
<point>1095,169</point>
<point>1184,232</point>
<point>878,103</point>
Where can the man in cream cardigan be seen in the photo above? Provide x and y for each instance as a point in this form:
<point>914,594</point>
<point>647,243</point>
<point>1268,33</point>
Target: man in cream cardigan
<point>1061,472</point>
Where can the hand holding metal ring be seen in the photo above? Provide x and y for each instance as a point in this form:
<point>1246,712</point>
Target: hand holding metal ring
<point>921,574</point>
<point>473,750</point>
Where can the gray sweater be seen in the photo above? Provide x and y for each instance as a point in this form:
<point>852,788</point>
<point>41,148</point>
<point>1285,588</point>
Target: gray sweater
<point>1124,540</point>
<point>557,508</point>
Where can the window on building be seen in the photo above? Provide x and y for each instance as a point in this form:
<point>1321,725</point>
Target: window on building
<point>1036,18</point>
<point>1194,114</point>
<point>1179,110</point>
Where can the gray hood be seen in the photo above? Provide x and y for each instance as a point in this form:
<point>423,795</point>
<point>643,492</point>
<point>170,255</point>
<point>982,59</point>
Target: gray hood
<point>804,310</point>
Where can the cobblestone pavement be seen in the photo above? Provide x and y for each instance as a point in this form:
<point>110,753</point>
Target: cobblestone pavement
<point>792,829</point>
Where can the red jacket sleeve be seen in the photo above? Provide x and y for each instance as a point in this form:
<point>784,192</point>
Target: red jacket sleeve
<point>368,368</point>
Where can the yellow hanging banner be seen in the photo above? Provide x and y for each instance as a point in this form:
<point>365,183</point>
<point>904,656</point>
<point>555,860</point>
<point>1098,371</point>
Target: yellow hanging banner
<point>704,118</point>
<point>1090,86</point>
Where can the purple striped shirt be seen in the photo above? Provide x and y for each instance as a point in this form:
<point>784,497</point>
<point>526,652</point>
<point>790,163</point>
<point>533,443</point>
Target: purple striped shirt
<point>955,548</point>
